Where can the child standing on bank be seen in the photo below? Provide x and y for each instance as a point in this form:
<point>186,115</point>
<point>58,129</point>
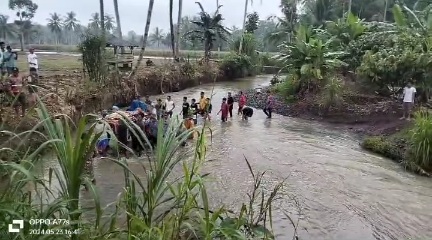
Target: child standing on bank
<point>224,110</point>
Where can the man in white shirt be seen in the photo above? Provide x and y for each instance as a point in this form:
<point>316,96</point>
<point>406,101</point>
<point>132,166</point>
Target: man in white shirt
<point>32,61</point>
<point>408,100</point>
<point>169,106</point>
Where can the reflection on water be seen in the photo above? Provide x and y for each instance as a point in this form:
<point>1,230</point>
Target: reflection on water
<point>345,193</point>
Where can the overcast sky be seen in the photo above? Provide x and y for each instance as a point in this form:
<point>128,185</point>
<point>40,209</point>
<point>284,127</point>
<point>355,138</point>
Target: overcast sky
<point>133,13</point>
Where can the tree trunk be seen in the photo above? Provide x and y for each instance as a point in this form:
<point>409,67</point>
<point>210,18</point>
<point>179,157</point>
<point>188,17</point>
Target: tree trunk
<point>385,10</point>
<point>179,18</point>
<point>172,29</point>
<point>244,25</point>
<point>207,49</point>
<point>349,6</point>
<point>102,17</point>
<point>144,39</point>
<point>117,15</point>
<point>22,40</point>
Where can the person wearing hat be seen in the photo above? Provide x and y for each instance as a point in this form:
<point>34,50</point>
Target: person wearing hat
<point>16,90</point>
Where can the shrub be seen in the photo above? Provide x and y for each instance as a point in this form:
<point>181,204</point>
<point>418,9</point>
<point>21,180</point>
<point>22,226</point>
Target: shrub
<point>391,60</point>
<point>383,147</point>
<point>421,138</point>
<point>249,46</point>
<point>288,87</point>
<point>268,59</point>
<point>92,50</point>
<point>237,66</point>
<point>332,93</point>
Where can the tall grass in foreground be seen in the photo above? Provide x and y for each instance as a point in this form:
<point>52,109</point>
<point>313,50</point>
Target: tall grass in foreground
<point>160,206</point>
<point>421,137</point>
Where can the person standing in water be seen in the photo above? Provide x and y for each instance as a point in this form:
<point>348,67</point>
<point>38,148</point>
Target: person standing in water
<point>194,110</point>
<point>230,102</point>
<point>224,110</point>
<point>208,109</point>
<point>202,104</point>
<point>269,105</point>
<point>241,103</point>
<point>159,107</point>
<point>185,108</point>
<point>169,106</point>
<point>408,100</point>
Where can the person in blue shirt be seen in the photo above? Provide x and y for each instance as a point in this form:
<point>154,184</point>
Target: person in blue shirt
<point>9,60</point>
<point>137,103</point>
<point>103,145</point>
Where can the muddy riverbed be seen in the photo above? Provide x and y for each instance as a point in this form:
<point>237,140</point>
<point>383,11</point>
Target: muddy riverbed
<point>343,191</point>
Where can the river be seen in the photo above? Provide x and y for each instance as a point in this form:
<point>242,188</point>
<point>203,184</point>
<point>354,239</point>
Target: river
<point>344,192</point>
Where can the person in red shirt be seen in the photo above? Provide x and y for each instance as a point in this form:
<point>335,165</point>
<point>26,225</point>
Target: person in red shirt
<point>224,110</point>
<point>241,103</point>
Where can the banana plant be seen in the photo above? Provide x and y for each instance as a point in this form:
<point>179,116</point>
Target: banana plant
<point>346,30</point>
<point>309,58</point>
<point>407,18</point>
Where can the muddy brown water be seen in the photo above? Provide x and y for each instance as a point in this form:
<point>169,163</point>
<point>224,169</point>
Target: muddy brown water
<point>344,192</point>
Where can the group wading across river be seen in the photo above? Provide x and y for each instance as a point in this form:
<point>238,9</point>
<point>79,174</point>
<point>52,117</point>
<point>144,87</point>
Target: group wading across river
<point>146,115</point>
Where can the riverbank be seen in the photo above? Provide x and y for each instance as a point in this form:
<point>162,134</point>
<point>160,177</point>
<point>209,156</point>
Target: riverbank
<point>71,94</point>
<point>363,114</point>
<point>375,119</point>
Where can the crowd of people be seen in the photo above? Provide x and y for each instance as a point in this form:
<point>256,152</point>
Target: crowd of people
<point>21,87</point>
<point>146,115</point>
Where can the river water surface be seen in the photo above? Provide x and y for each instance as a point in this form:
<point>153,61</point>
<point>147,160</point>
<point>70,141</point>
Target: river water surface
<point>344,192</point>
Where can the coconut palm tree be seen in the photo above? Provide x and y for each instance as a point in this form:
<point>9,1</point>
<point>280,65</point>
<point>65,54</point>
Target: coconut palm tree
<point>208,28</point>
<point>6,29</point>
<point>244,24</point>
<point>171,5</point>
<point>179,23</point>
<point>117,16</point>
<point>109,23</point>
<point>157,36</point>
<point>144,40</point>
<point>94,22</point>
<point>55,24</point>
<point>71,25</point>
<point>102,16</point>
